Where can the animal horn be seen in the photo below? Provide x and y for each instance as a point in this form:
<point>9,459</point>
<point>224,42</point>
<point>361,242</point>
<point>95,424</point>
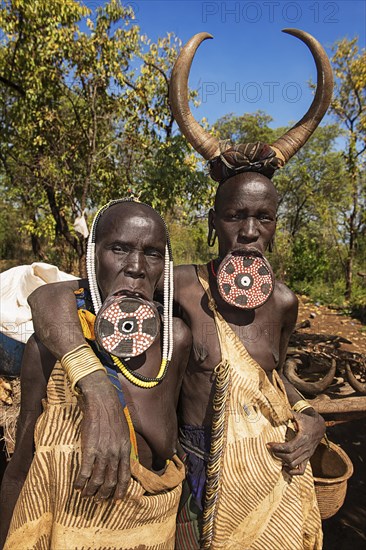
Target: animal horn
<point>202,141</point>
<point>353,382</point>
<point>287,146</point>
<point>310,388</point>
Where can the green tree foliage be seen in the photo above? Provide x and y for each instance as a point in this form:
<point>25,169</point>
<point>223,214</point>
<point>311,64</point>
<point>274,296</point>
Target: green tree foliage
<point>85,118</point>
<point>311,184</point>
<point>314,201</point>
<point>247,128</point>
<point>189,242</point>
<point>312,192</point>
<point>349,107</point>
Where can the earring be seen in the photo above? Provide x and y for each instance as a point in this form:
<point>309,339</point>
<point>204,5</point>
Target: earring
<point>211,237</point>
<point>271,245</point>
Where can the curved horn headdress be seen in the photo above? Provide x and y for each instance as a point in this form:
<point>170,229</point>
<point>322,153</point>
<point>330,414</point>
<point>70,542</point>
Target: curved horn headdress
<point>286,146</point>
<point>202,141</point>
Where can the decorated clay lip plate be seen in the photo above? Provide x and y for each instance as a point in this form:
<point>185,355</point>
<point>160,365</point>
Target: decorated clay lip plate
<point>245,279</point>
<point>126,326</point>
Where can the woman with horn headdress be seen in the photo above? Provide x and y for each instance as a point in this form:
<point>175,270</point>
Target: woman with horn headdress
<point>250,485</point>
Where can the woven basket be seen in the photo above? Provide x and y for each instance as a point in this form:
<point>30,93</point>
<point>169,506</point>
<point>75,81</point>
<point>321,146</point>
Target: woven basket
<point>331,469</point>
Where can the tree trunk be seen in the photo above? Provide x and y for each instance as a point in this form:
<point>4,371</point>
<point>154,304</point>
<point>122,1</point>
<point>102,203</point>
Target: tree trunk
<point>37,248</point>
<point>349,266</point>
<point>62,228</point>
<point>353,172</point>
<point>82,265</point>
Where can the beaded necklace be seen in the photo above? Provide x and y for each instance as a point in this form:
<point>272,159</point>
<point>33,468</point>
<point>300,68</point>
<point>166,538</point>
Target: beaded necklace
<point>136,378</point>
<point>139,379</point>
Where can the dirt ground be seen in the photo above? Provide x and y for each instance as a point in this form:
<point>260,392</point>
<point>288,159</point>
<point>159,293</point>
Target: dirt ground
<point>347,529</point>
<point>324,320</point>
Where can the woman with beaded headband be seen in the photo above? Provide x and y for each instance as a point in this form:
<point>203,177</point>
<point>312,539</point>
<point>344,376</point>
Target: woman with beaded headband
<point>168,296</point>
<point>266,498</point>
<point>128,252</point>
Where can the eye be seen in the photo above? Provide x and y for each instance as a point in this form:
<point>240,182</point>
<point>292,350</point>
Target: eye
<point>119,248</point>
<point>153,253</point>
<point>265,218</point>
<point>233,216</point>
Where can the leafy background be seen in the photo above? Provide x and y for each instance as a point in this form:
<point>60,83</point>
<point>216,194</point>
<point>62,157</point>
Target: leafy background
<point>85,118</point>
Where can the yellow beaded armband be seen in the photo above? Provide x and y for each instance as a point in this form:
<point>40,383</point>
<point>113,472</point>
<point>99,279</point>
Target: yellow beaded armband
<point>80,362</point>
<point>301,405</point>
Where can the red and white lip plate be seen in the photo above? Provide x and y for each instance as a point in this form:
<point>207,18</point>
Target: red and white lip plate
<point>245,279</point>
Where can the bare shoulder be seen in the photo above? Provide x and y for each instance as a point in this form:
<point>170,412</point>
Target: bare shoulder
<point>286,302</point>
<point>181,350</point>
<point>187,291</point>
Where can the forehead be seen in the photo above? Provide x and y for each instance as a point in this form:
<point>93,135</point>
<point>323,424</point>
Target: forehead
<point>239,191</point>
<point>132,222</point>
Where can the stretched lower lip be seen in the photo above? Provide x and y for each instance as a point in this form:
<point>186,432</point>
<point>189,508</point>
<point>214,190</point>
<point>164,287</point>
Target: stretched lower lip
<point>129,294</point>
<point>246,250</point>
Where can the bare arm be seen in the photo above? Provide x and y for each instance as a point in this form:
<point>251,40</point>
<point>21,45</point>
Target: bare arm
<point>59,334</point>
<point>37,365</point>
<point>105,440</point>
<point>310,429</point>
<point>310,426</point>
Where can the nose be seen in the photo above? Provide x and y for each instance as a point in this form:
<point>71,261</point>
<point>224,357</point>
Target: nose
<point>135,265</point>
<point>249,231</point>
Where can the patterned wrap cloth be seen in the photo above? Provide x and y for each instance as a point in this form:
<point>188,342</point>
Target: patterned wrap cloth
<point>250,503</point>
<point>51,514</point>
<point>245,157</point>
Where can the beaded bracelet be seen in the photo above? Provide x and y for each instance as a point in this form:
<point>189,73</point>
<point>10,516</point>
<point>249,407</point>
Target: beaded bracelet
<point>78,363</point>
<point>301,406</point>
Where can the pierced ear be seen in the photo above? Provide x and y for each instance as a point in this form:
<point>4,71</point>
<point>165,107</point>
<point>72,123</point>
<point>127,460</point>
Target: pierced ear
<point>211,218</point>
<point>211,237</point>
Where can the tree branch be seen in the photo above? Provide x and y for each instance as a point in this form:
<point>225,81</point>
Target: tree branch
<point>12,85</point>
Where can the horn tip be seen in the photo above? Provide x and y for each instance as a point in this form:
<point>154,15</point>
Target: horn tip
<point>205,35</point>
<point>197,39</point>
<point>294,32</point>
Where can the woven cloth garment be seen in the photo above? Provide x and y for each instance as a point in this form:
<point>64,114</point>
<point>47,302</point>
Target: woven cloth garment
<point>255,505</point>
<point>51,514</point>
<point>196,442</point>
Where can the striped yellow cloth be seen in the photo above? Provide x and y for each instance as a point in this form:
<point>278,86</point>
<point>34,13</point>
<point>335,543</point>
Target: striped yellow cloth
<point>50,514</point>
<point>255,505</point>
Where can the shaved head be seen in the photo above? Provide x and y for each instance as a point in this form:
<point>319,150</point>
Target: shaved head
<point>250,182</point>
<point>130,247</point>
<point>128,209</point>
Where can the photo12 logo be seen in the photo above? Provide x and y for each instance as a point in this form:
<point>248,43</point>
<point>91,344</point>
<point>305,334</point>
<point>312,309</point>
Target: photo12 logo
<point>251,92</point>
<point>256,12</point>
